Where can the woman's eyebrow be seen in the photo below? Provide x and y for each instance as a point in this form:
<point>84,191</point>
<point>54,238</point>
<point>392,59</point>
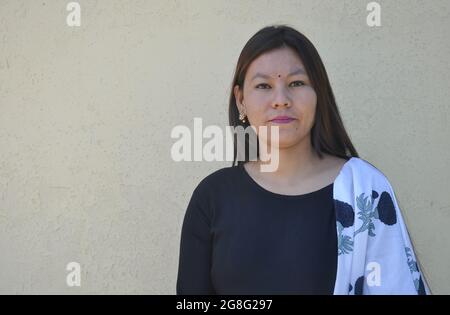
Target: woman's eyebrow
<point>265,76</point>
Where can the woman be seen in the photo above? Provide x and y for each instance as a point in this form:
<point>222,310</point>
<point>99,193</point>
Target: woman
<point>324,222</point>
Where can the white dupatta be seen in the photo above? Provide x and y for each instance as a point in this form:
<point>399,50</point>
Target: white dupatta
<point>375,255</point>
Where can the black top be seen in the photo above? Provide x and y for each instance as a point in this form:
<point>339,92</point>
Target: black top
<point>239,238</point>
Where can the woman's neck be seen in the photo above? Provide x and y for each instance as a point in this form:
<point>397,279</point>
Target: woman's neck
<point>295,164</point>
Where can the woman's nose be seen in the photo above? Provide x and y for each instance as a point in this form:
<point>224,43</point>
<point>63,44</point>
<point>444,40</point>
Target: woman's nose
<point>281,98</point>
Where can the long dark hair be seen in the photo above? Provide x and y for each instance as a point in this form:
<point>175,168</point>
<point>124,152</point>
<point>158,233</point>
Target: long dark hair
<point>328,134</point>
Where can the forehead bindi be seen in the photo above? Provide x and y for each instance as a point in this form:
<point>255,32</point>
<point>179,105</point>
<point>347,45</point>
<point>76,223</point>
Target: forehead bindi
<point>296,71</point>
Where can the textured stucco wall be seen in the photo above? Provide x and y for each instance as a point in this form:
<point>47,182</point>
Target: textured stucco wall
<point>86,114</point>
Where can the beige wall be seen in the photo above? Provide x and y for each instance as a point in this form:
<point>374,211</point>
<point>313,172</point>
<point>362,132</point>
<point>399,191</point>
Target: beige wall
<point>86,114</point>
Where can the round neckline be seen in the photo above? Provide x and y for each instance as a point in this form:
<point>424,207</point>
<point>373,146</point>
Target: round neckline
<point>283,196</point>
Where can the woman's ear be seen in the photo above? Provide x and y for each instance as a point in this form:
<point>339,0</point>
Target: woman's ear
<point>238,96</point>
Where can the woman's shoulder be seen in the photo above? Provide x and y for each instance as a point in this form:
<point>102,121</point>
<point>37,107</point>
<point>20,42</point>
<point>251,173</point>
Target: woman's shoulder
<point>219,175</point>
<point>217,180</point>
<point>361,167</point>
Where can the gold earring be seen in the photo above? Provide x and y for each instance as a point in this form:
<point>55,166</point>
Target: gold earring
<point>242,117</point>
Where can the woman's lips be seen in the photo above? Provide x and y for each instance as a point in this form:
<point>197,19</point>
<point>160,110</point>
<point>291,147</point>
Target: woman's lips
<point>282,120</point>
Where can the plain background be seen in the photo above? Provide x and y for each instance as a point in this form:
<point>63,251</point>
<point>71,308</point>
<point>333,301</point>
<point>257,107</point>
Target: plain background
<point>86,114</point>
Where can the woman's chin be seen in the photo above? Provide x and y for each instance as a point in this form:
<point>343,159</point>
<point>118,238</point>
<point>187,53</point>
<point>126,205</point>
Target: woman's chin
<point>283,142</point>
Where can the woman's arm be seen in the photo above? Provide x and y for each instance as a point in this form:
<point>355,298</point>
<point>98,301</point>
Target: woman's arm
<point>194,267</point>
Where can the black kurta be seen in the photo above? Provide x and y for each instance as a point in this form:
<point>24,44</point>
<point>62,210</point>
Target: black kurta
<point>239,238</point>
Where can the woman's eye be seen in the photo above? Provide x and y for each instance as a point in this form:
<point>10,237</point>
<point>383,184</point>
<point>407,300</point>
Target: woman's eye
<point>295,83</point>
<point>262,84</point>
<point>301,83</point>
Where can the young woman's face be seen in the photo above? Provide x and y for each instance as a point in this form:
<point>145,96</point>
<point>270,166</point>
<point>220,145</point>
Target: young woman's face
<point>276,84</point>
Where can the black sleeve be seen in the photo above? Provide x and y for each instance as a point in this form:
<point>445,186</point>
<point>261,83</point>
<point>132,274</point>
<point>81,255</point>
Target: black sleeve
<point>194,265</point>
